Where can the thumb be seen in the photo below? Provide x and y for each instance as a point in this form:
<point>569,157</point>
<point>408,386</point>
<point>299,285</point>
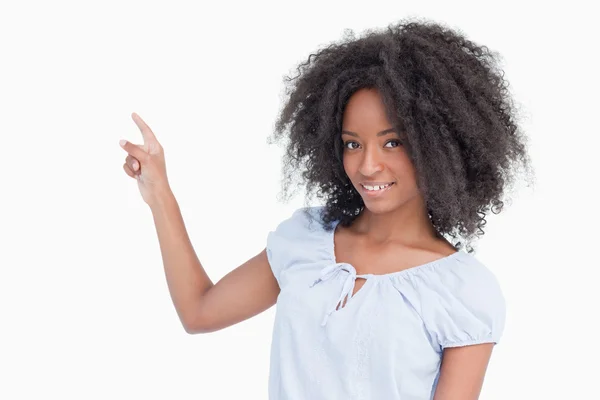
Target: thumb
<point>134,150</point>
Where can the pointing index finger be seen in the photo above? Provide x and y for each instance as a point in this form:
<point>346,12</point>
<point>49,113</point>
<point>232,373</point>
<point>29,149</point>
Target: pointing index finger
<point>147,133</point>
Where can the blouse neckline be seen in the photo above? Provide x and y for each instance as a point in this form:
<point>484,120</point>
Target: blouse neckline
<point>404,272</point>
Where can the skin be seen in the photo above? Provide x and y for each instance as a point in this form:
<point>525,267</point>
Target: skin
<point>392,227</point>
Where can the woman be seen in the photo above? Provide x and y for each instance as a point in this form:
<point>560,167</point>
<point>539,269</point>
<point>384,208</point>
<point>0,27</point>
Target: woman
<point>408,134</point>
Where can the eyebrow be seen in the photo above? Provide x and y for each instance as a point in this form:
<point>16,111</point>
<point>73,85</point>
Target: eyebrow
<point>382,133</point>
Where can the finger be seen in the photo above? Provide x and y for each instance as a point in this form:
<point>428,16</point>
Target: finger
<point>133,163</point>
<point>128,170</point>
<point>147,133</point>
<point>134,150</point>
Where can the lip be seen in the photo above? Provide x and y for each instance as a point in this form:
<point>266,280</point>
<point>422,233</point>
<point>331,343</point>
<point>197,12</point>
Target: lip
<point>378,193</point>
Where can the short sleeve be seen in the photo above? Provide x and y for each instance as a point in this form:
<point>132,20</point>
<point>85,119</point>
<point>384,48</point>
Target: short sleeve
<point>289,243</point>
<point>462,303</point>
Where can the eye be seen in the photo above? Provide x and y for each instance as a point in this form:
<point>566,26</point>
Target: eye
<point>397,143</point>
<point>350,142</point>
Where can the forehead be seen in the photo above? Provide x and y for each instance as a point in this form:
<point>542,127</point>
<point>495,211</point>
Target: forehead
<point>365,109</point>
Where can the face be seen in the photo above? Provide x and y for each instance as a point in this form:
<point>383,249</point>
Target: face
<point>374,158</point>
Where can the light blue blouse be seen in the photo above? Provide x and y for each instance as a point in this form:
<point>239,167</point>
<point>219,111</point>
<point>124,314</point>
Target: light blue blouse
<point>387,340</point>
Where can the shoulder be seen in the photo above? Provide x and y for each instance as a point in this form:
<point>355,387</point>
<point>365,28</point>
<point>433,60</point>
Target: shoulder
<point>469,276</point>
<point>301,221</point>
<point>298,238</point>
<point>470,284</point>
<point>462,301</point>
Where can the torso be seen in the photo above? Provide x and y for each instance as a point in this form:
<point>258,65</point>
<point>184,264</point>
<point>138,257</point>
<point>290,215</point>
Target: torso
<point>393,330</point>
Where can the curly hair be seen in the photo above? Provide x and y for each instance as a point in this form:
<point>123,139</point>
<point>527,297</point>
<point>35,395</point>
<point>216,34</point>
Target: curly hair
<point>444,94</point>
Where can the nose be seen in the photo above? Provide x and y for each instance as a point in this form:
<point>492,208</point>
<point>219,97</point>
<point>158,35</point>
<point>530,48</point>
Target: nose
<point>371,162</point>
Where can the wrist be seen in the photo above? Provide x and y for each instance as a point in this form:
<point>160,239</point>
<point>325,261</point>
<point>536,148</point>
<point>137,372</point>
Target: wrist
<point>163,197</point>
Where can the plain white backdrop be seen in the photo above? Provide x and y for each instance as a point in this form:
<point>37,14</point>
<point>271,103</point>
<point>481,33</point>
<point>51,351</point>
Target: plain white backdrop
<point>85,311</point>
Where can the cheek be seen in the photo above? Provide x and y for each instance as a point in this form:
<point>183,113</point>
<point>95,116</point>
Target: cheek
<point>401,166</point>
<point>351,167</point>
<point>347,165</point>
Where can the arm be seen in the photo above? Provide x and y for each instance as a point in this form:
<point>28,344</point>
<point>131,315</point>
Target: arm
<point>462,372</point>
<point>201,305</point>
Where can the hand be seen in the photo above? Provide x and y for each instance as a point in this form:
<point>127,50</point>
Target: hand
<point>146,163</point>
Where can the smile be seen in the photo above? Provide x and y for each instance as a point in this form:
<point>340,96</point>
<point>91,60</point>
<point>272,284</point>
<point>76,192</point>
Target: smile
<point>376,190</point>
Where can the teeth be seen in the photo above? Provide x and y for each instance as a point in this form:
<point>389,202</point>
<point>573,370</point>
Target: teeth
<point>376,187</point>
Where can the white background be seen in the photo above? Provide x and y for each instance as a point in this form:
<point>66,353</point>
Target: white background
<point>84,306</point>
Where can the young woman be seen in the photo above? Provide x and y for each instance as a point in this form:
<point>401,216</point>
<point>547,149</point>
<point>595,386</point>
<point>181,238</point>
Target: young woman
<point>409,137</point>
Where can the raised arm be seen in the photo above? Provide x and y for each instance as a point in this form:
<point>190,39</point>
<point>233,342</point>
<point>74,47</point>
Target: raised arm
<point>201,305</point>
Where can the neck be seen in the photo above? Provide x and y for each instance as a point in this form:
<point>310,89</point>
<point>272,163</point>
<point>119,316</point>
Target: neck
<point>408,224</point>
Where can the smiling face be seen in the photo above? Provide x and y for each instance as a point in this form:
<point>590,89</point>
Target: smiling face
<point>374,158</point>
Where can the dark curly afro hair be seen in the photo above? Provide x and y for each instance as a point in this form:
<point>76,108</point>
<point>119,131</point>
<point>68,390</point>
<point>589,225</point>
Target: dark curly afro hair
<point>443,93</point>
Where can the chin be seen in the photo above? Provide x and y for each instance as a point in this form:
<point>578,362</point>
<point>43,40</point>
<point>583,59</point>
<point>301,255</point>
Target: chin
<point>376,207</point>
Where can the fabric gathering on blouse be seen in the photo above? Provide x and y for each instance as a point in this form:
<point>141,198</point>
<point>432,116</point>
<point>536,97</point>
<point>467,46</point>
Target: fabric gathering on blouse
<point>386,341</point>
